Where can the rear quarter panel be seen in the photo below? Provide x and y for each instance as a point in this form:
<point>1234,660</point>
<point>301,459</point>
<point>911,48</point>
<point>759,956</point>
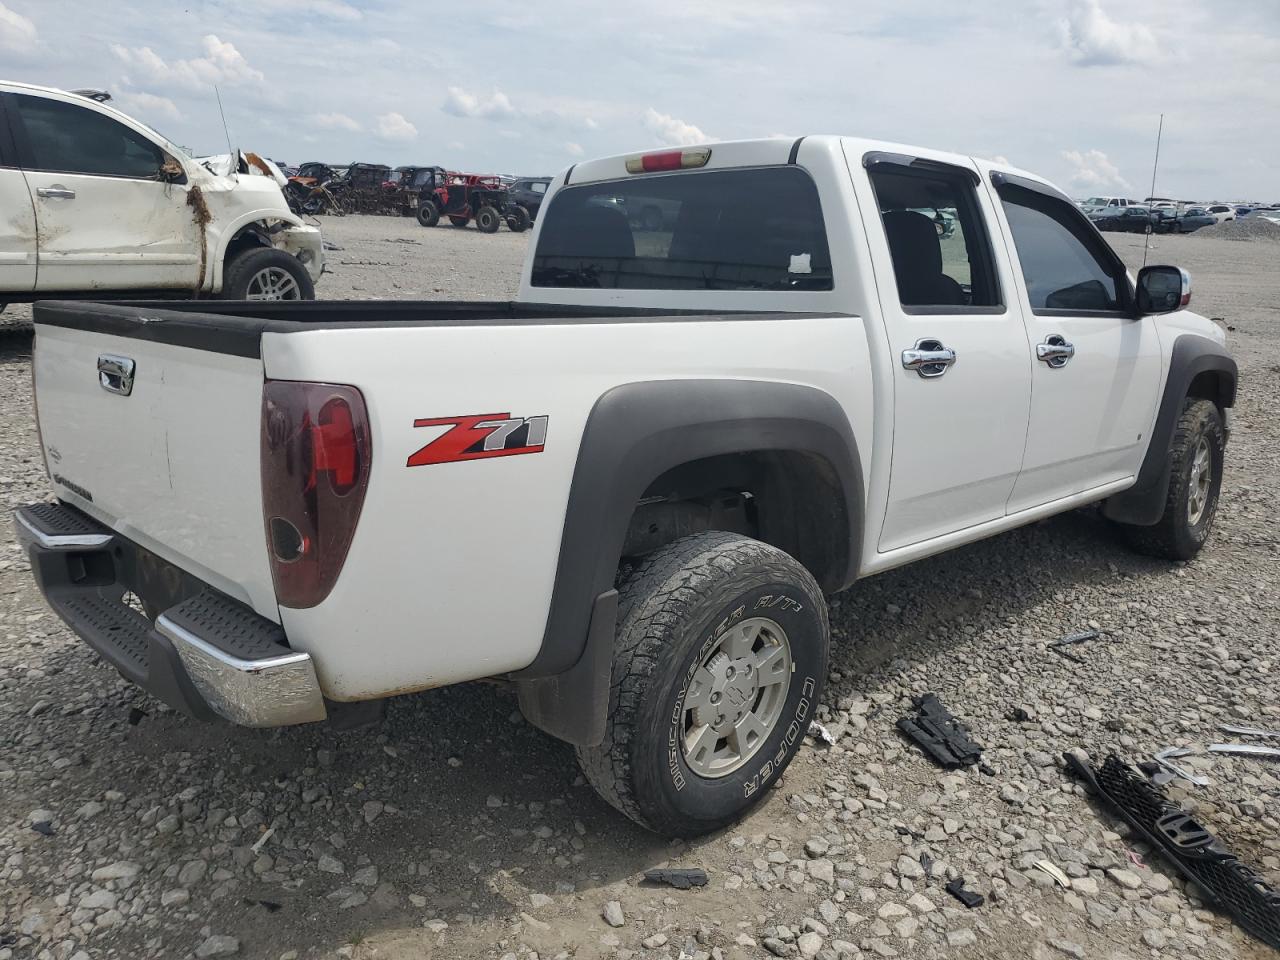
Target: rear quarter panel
<point>450,572</point>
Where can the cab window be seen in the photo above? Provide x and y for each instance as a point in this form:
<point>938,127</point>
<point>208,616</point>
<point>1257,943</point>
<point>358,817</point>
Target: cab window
<point>937,239</point>
<point>1066,264</point>
<point>66,138</point>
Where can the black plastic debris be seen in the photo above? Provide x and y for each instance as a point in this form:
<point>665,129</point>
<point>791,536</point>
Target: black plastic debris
<point>969,898</point>
<point>44,827</point>
<point>269,905</point>
<point>940,735</point>
<point>1071,639</point>
<point>680,878</point>
<point>1186,844</point>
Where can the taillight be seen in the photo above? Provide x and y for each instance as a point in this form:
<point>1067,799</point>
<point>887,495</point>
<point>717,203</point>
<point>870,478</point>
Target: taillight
<point>668,160</point>
<point>315,469</point>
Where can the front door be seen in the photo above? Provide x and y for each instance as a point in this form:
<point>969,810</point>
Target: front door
<point>17,220</point>
<point>958,346</point>
<point>106,218</point>
<point>1095,368</point>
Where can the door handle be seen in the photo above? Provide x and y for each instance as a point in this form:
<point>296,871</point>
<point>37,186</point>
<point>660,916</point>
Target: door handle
<point>929,358</point>
<point>56,192</point>
<point>1055,351</point>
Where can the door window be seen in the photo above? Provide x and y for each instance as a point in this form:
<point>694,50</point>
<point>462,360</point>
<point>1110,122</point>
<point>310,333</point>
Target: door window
<point>65,138</point>
<point>1067,266</point>
<point>937,238</point>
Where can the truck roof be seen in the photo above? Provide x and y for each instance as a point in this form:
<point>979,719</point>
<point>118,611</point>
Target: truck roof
<point>772,151</point>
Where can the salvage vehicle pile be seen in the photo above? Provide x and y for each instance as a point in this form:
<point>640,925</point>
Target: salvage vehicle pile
<point>416,836</point>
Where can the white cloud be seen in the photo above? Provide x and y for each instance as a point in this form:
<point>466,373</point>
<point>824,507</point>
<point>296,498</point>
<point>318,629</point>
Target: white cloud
<point>1093,169</point>
<point>17,33</point>
<point>672,131</point>
<point>455,145</point>
<point>334,121</point>
<point>573,149</point>
<point>221,64</point>
<point>333,9</point>
<point>463,103</point>
<point>393,126</point>
<point>147,105</point>
<point>1091,38</point>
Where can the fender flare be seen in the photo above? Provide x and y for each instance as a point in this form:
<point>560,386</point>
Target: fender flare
<point>228,233</point>
<point>1143,503</point>
<point>634,434</point>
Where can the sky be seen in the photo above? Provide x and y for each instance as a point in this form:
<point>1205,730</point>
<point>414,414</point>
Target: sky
<point>1070,89</point>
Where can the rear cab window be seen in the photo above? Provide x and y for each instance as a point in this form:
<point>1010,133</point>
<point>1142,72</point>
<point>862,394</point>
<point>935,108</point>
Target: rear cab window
<point>758,228</point>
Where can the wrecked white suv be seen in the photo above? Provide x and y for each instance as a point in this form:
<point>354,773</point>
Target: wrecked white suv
<point>97,203</point>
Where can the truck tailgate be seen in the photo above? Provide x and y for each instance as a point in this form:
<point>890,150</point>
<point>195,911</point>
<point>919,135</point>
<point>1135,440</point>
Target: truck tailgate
<point>171,463</point>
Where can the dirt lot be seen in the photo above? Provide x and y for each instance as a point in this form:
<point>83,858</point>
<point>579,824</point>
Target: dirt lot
<point>454,830</point>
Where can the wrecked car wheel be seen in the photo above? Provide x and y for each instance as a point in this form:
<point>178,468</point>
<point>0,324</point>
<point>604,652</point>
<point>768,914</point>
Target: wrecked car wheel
<point>488,220</point>
<point>519,220</point>
<point>1196,456</point>
<point>428,213</point>
<point>262,274</point>
<point>719,661</point>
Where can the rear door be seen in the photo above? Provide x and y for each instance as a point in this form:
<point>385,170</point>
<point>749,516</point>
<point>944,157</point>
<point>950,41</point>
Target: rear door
<point>1095,368</point>
<point>961,385</point>
<point>106,218</point>
<point>17,219</point>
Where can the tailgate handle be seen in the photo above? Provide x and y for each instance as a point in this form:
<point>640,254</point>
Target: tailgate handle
<point>115,374</point>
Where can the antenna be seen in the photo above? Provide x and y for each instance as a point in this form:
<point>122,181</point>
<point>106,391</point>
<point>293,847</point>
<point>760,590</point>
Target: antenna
<point>235,161</point>
<point>1154,166</point>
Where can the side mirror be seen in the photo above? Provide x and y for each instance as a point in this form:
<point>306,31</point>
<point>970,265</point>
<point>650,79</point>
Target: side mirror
<point>171,170</point>
<point>1163,289</point>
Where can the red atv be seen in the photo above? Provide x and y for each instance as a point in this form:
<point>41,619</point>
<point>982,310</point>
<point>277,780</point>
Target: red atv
<point>463,197</point>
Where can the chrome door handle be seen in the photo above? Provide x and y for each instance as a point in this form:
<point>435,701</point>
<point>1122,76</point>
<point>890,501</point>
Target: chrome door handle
<point>56,192</point>
<point>929,358</point>
<point>115,374</point>
<point>1055,351</point>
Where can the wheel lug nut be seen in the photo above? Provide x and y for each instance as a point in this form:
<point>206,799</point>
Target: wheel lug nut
<point>715,698</point>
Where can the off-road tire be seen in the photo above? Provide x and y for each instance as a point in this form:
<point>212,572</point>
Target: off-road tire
<point>241,268</point>
<point>672,608</point>
<point>459,221</point>
<point>1174,537</point>
<point>519,220</point>
<point>488,219</point>
<point>428,213</point>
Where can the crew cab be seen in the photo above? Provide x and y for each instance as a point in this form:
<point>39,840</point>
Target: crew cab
<point>628,491</point>
<point>96,203</point>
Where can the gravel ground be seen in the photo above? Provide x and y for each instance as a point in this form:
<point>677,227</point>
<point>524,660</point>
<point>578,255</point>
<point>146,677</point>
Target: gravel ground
<point>454,830</point>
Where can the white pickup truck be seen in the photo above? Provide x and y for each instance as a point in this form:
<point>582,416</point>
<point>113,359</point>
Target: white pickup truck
<point>627,491</point>
<point>95,204</point>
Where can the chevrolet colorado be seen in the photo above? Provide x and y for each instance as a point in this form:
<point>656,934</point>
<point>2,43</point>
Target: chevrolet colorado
<point>628,491</point>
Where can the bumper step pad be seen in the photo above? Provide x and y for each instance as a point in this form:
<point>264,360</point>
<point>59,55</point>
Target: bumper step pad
<point>1187,844</point>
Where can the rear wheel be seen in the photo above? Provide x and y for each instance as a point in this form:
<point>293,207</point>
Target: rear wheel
<point>488,219</point>
<point>719,661</point>
<point>428,213</point>
<point>518,219</point>
<point>459,221</point>
<point>264,274</point>
<point>1196,458</point>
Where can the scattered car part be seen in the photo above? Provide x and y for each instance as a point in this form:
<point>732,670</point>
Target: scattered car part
<point>261,841</point>
<point>1166,757</point>
<point>1060,878</point>
<point>1250,731</point>
<point>682,878</point>
<point>1073,638</point>
<point>969,898</point>
<point>819,732</point>
<point>1245,749</point>
<point>1186,843</point>
<point>940,734</point>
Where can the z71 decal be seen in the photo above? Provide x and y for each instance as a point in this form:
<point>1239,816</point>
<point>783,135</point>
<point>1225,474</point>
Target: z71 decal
<point>479,436</point>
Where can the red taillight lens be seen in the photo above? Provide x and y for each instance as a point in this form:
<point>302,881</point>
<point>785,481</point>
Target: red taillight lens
<point>668,160</point>
<point>315,469</point>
